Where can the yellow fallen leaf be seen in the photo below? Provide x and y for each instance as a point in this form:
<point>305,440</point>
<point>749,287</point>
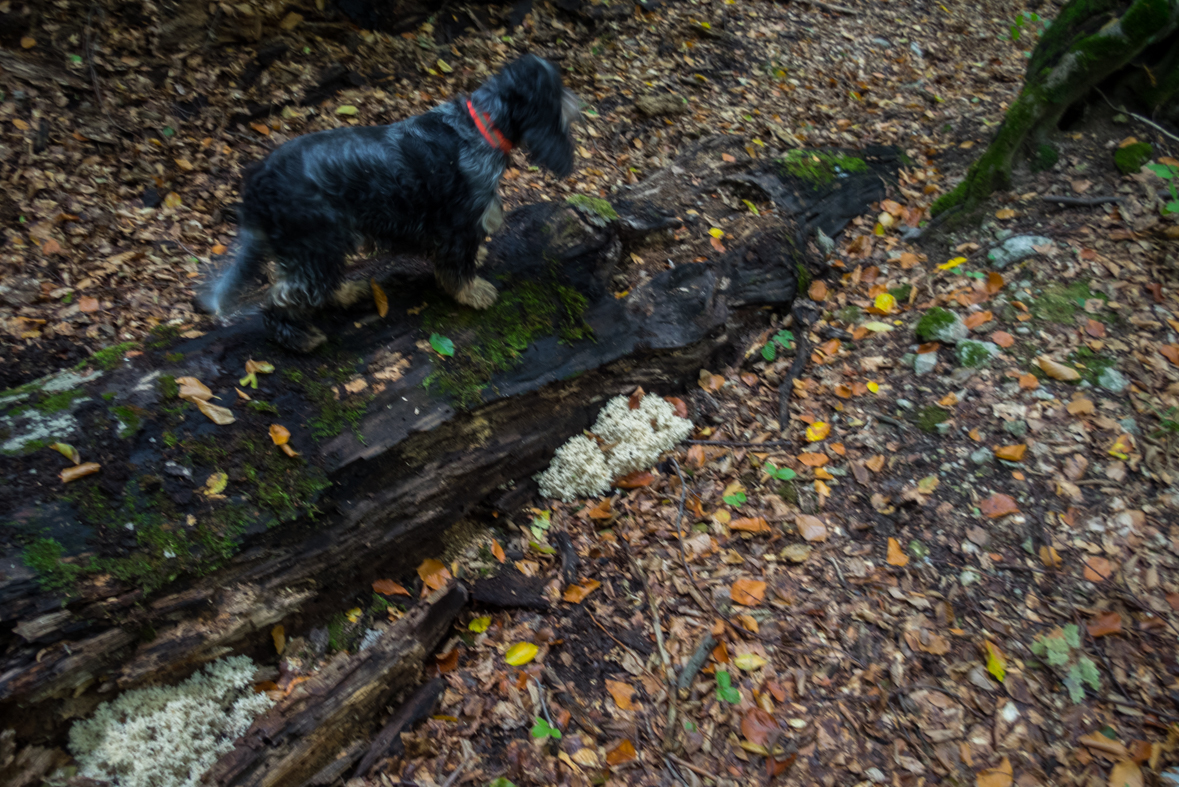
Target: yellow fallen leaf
<point>28,42</point>
<point>954,263</point>
<point>1001,776</point>
<point>1012,453</point>
<point>380,298</point>
<point>346,109</point>
<point>1127,774</point>
<point>877,327</point>
<point>1056,370</point>
<point>184,164</point>
<point>750,661</point>
<point>479,625</point>
<point>818,431</point>
<point>279,434</point>
<point>215,484</point>
<point>521,653</point>
<point>222,416</point>
<point>78,471</point>
<point>1050,557</point>
<point>68,451</point>
<point>286,449</point>
<point>885,302</point>
<point>353,614</point>
<point>996,662</point>
<point>874,387</point>
<point>279,635</point>
<point>259,367</point>
<point>1122,447</point>
<point>1005,213</point>
<point>173,200</point>
<point>716,233</point>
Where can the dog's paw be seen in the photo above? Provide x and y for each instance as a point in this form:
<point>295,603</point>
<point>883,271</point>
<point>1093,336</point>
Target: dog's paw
<point>311,339</point>
<point>351,293</point>
<point>481,256</point>
<point>478,294</point>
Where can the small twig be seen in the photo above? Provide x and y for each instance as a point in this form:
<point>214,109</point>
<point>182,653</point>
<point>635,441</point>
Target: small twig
<point>696,662</point>
<point>669,671</point>
<point>742,444</point>
<point>544,708</point>
<point>693,768</point>
<point>675,775</point>
<point>835,9</point>
<point>450,780</point>
<point>617,642</point>
<point>1138,117</point>
<point>1062,199</point>
<point>698,594</point>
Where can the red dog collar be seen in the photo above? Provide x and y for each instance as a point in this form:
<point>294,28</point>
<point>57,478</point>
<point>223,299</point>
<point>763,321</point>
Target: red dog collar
<point>488,129</point>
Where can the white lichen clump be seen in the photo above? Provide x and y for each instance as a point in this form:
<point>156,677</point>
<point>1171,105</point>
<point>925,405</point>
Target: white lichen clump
<point>630,440</point>
<point>168,736</point>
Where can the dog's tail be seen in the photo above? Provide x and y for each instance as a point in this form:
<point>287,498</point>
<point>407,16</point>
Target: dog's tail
<point>246,266</point>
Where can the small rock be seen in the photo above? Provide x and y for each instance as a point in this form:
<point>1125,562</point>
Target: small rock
<point>944,428</point>
<point>983,456</point>
<point>881,42</point>
<point>1015,249</point>
<point>1129,426</point>
<point>924,363</point>
<point>969,577</point>
<point>974,353</point>
<point>1016,428</point>
<point>19,290</point>
<point>180,471</point>
<point>904,404</point>
<point>661,104</point>
<point>1112,380</point>
<point>978,536</point>
<point>876,776</point>
<point>1002,235</point>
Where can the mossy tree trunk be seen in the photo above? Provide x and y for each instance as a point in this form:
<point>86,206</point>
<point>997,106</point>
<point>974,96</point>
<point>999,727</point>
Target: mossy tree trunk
<point>1088,43</point>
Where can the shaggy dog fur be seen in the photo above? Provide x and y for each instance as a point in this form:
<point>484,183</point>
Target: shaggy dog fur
<point>427,184</point>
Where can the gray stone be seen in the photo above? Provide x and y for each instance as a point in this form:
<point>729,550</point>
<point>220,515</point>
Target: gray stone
<point>1016,428</point>
<point>1015,249</point>
<point>1002,235</point>
<point>661,104</point>
<point>924,363</point>
<point>983,456</point>
<point>1112,380</point>
<point>943,428</point>
<point>904,404</point>
<point>1129,425</point>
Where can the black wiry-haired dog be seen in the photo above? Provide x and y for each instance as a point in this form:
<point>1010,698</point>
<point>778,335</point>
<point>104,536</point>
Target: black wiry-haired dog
<point>426,184</point>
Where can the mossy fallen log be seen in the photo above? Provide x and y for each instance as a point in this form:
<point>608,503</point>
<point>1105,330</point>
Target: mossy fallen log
<point>1090,42</point>
<point>193,539</point>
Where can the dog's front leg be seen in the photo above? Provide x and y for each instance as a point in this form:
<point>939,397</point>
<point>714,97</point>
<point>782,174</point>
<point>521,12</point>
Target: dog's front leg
<point>454,268</point>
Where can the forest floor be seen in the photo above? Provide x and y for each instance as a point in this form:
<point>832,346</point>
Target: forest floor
<point>959,566</point>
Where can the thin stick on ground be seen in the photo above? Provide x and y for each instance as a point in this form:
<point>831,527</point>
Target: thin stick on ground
<point>1138,117</point>
<point>669,671</point>
<point>450,780</point>
<point>786,387</point>
<point>1061,199</point>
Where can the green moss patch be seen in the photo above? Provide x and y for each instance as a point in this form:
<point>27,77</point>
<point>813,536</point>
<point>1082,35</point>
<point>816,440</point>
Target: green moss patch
<point>491,341</point>
<point>594,206</point>
<point>934,321</point>
<point>1091,365</point>
<point>1131,158</point>
<point>1060,303</point>
<point>929,417</point>
<point>108,358</point>
<point>818,167</point>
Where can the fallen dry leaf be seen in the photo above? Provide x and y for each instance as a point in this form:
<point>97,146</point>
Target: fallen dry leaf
<point>1003,339</point>
<point>1126,773</point>
<point>380,298</point>
<point>434,574</point>
<point>1105,624</point>
<point>623,752</point>
<point>810,527</point>
<point>279,434</point>
<point>1000,776</point>
<point>1081,407</point>
<point>78,471</point>
<point>1097,569</point>
<point>750,524</point>
<point>575,594</point>
<point>621,692</point>
<point>896,555</point>
<point>998,505</point>
<point>748,592</point>
<point>387,587</point>
<point>1057,371</point>
<point>193,390</point>
<point>1012,453</point>
<point>222,416</point>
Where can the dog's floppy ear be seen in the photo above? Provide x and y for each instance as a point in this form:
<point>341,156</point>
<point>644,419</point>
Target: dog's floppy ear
<point>542,112</point>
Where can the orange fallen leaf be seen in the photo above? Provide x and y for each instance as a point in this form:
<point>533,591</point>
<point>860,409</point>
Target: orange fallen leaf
<point>994,282</point>
<point>497,551</point>
<point>638,478</point>
<point>1003,775</point>
<point>1097,569</point>
<point>286,449</point>
<point>1081,407</point>
<point>716,244</point>
<point>818,290</point>
<point>602,510</point>
<point>51,246</point>
<point>279,635</point>
<point>978,318</point>
<point>279,434</point>
<point>1056,370</point>
<point>1003,339</point>
<point>28,42</point>
<point>975,435</point>
<point>750,524</point>
<point>810,527</point>
<point>896,555</point>
<point>757,725</point>
<point>1170,352</point>
<point>623,752</point>
<point>838,447</point>
<point>1126,774</point>
<point>1105,624</point>
<point>261,128</point>
<point>433,573</point>
<point>218,249</point>
<point>1029,382</point>
<point>678,405</point>
<point>87,304</point>
<point>710,382</point>
<point>635,400</point>
<point>998,505</point>
<point>748,592</point>
<point>621,692</point>
<point>78,471</point>
<point>1095,328</point>
<point>696,457</point>
<point>818,431</point>
<point>1012,453</point>
<point>1003,215</point>
<point>575,594</point>
<point>875,463</point>
<point>387,587</point>
<point>813,459</point>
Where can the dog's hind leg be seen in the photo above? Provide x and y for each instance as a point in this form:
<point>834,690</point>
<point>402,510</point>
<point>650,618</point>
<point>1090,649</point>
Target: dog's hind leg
<point>454,268</point>
<point>307,278</point>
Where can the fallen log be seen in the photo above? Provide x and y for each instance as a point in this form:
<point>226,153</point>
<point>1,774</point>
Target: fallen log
<point>192,539</point>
